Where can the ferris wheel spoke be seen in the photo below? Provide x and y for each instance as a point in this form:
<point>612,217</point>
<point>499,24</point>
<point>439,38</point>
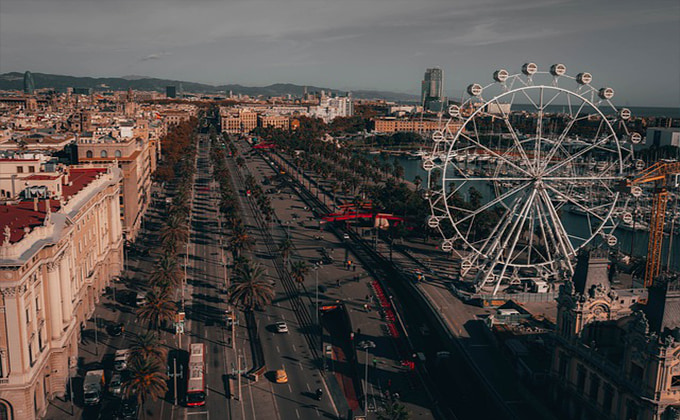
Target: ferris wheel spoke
<point>559,92</point>
<point>495,201</point>
<point>496,155</point>
<point>513,133</point>
<point>560,140</point>
<point>493,239</point>
<point>515,234</point>
<point>577,155</point>
<point>539,132</point>
<point>562,235</point>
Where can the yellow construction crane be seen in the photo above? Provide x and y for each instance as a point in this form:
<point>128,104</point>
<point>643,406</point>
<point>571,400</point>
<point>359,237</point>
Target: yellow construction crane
<point>659,173</point>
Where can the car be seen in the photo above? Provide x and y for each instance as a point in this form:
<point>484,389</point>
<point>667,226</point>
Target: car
<point>128,409</point>
<point>116,384</point>
<point>345,236</point>
<point>140,300</point>
<point>115,329</point>
<point>281,376</point>
<point>120,359</point>
<point>281,327</point>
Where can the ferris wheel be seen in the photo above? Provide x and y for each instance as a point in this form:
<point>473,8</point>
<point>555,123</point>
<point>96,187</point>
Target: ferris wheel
<point>526,172</point>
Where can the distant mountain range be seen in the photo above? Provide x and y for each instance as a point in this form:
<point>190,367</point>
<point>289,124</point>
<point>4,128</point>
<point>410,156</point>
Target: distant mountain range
<point>14,81</point>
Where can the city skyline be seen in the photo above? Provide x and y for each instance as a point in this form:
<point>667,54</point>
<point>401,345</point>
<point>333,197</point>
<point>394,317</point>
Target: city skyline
<point>337,45</point>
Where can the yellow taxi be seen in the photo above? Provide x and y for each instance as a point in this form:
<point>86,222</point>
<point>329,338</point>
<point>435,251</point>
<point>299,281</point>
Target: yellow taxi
<point>281,376</point>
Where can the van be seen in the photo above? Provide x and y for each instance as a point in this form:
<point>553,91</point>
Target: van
<point>140,300</point>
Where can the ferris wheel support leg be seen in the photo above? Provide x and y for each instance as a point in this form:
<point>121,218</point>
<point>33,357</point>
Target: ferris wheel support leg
<point>567,248</point>
<point>517,232</point>
<point>495,249</point>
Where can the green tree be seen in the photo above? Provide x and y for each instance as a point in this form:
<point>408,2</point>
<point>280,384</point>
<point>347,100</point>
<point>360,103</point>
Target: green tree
<point>147,346</point>
<point>167,273</point>
<point>249,289</point>
<point>394,410</point>
<point>158,308</point>
<point>298,271</point>
<point>285,246</point>
<point>147,380</point>
<point>240,240</point>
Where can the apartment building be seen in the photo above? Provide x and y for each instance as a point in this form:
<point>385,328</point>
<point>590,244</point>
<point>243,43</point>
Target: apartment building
<point>57,255</point>
<point>136,157</point>
<point>393,125</point>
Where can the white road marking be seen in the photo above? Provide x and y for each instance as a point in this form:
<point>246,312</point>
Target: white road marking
<point>278,350</point>
<point>290,390</point>
<point>294,349</point>
<point>297,413</point>
<point>308,388</point>
<point>317,412</point>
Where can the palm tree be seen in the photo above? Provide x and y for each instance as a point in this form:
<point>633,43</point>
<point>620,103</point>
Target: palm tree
<point>249,289</point>
<point>240,240</point>
<point>175,227</point>
<point>394,410</point>
<point>417,181</point>
<point>284,248</point>
<point>167,273</point>
<point>158,308</point>
<point>147,379</point>
<point>145,346</point>
<point>298,270</point>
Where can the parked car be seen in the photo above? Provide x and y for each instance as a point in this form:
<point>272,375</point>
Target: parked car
<point>116,384</point>
<point>140,300</point>
<point>128,409</point>
<point>281,327</point>
<point>115,329</point>
<point>120,359</point>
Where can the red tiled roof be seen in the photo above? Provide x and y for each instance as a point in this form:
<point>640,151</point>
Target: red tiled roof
<point>79,179</point>
<point>41,177</point>
<point>22,215</point>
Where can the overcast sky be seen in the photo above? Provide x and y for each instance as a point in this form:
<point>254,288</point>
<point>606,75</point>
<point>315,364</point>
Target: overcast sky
<point>630,45</point>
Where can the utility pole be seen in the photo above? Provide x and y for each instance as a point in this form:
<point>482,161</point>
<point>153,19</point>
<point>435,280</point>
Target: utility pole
<point>239,377</point>
<point>174,376</point>
<point>96,341</point>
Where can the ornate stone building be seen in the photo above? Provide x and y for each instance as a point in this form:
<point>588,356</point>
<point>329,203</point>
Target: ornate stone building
<point>615,357</point>
<point>56,257</point>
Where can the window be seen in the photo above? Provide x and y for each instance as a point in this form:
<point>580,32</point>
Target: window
<point>594,387</point>
<point>37,303</point>
<point>636,372</point>
<point>632,411</point>
<point>28,314</point>
<point>20,169</point>
<point>608,399</point>
<point>30,353</point>
<point>118,153</point>
<point>675,381</point>
<point>31,169</point>
<point>562,369</point>
<point>40,340</point>
<point>581,378</point>
<point>104,154</point>
<point>88,154</point>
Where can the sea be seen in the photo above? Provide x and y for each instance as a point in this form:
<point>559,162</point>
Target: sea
<point>574,223</point>
<point>636,111</point>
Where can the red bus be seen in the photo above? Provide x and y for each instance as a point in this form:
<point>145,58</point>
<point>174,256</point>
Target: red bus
<point>196,377</point>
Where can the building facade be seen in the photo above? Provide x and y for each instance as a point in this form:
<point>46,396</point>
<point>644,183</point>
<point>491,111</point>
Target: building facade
<point>57,256</point>
<point>615,358</point>
<point>136,157</point>
<point>393,125</point>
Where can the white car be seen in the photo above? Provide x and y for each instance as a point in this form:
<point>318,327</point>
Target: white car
<point>116,384</point>
<point>120,359</point>
<point>345,236</point>
<point>281,327</point>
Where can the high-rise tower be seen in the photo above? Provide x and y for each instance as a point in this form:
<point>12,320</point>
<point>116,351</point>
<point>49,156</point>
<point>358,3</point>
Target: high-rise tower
<point>29,84</point>
<point>432,89</point>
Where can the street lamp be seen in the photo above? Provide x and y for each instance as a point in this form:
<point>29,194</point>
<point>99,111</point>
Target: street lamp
<point>366,345</point>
